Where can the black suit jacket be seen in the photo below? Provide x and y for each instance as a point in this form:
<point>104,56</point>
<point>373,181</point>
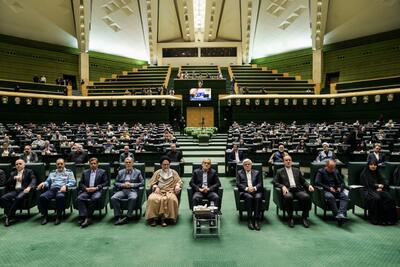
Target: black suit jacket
<point>29,179</point>
<point>100,181</point>
<point>231,156</point>
<point>256,180</point>
<point>282,179</point>
<point>212,180</point>
<point>372,157</point>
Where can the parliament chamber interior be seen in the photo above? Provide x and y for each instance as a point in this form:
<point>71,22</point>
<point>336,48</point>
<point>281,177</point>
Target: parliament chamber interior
<point>199,133</point>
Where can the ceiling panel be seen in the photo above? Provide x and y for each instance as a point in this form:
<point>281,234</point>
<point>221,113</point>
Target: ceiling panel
<point>230,26</point>
<point>283,25</point>
<point>48,21</point>
<point>168,23</point>
<point>374,17</point>
<point>116,28</point>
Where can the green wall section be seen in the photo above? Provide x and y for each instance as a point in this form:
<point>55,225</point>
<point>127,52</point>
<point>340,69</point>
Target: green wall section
<point>295,63</point>
<point>103,65</point>
<point>21,59</point>
<point>363,58</point>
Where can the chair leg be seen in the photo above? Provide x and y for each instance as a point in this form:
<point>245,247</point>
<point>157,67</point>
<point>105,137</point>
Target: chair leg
<point>315,209</point>
<point>240,214</point>
<point>277,211</point>
<point>29,212</point>
<point>284,214</point>
<point>324,214</point>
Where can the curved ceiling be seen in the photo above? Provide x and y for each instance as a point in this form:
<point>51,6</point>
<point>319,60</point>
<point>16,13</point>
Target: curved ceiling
<point>133,28</point>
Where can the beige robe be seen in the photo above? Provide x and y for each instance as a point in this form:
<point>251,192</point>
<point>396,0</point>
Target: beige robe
<point>166,203</point>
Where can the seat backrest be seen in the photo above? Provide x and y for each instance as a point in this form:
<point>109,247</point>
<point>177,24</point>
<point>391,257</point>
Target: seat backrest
<point>174,165</point>
<point>354,171</point>
<point>390,167</point>
<point>39,169</point>
<point>279,165</point>
<point>103,165</point>
<point>196,166</point>
<point>314,167</point>
<point>137,165</point>
<point>255,166</point>
<point>6,167</point>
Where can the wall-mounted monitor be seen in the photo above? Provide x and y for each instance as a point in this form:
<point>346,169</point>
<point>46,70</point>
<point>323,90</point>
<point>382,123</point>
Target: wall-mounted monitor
<point>200,94</point>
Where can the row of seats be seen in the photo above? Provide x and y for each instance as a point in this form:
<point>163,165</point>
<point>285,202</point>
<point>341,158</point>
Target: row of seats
<point>149,80</point>
<point>354,186</point>
<point>31,87</point>
<point>253,80</point>
<point>367,85</point>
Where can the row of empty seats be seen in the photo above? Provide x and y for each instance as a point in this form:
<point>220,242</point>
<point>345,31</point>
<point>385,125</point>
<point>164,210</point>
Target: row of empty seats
<point>31,87</point>
<point>366,85</point>
<point>145,81</point>
<point>257,80</point>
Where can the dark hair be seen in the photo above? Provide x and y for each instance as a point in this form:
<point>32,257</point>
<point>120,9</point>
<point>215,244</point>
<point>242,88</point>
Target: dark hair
<point>165,158</point>
<point>372,162</point>
<point>93,159</point>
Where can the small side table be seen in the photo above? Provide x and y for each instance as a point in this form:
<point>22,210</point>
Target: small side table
<point>206,222</point>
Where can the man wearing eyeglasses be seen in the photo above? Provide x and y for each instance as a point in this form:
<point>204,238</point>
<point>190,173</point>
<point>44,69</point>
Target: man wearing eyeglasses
<point>127,185</point>
<point>18,187</point>
<point>57,184</point>
<point>249,183</point>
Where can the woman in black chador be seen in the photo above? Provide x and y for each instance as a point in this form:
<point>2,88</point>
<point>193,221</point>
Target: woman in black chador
<point>381,206</point>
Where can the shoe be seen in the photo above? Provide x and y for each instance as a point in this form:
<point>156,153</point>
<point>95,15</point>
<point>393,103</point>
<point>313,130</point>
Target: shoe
<point>340,216</point>
<point>120,221</point>
<point>250,225</point>
<point>57,221</point>
<point>291,223</point>
<point>257,226</point>
<point>198,224</point>
<point>86,223</point>
<point>306,224</point>
<point>163,223</point>
<point>81,220</point>
<point>212,223</point>
<point>44,221</point>
<point>153,223</point>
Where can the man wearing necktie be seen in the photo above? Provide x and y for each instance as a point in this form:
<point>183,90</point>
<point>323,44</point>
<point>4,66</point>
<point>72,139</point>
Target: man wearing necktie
<point>92,182</point>
<point>127,185</point>
<point>249,183</point>
<point>293,185</point>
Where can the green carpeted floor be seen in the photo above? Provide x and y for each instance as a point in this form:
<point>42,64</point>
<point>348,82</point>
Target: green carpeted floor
<point>357,243</point>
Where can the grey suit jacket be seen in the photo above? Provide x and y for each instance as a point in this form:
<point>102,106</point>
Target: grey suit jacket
<point>136,180</point>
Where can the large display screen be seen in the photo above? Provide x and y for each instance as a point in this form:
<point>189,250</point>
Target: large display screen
<point>200,94</point>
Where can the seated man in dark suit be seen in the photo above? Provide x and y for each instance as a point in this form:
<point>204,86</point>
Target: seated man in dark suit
<point>29,156</point>
<point>18,186</point>
<point>175,155</point>
<point>236,155</point>
<point>332,182</point>
<point>205,184</point>
<point>127,183</point>
<point>377,155</point>
<point>92,182</point>
<point>78,156</point>
<point>125,154</point>
<point>293,185</point>
<point>57,184</point>
<point>249,183</point>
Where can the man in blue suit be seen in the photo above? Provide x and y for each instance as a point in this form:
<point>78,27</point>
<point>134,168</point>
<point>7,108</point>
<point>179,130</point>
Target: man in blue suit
<point>127,183</point>
<point>92,182</point>
<point>249,183</point>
